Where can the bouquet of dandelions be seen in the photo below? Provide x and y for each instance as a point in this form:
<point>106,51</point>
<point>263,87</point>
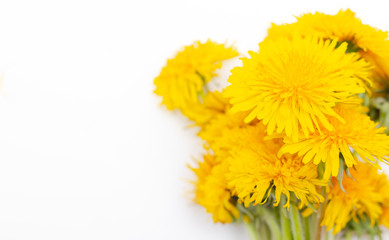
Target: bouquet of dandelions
<point>293,144</point>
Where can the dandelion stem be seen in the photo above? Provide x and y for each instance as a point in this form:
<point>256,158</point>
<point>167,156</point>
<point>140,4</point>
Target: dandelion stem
<point>271,221</point>
<point>349,235</point>
<point>307,228</point>
<point>254,234</point>
<point>297,227</point>
<point>285,222</point>
<point>320,215</point>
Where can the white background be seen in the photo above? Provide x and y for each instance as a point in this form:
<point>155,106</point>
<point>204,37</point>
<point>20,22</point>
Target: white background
<point>86,152</point>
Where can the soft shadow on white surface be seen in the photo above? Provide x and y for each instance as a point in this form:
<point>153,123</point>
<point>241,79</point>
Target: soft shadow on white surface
<point>86,152</point>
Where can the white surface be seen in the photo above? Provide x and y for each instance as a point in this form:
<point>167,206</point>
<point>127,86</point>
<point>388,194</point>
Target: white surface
<point>85,150</point>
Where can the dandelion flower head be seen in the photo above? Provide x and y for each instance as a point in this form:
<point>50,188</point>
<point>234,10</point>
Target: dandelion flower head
<point>358,132</point>
<point>293,85</point>
<point>369,42</point>
<point>211,190</point>
<point>364,196</point>
<point>181,82</point>
<point>256,170</point>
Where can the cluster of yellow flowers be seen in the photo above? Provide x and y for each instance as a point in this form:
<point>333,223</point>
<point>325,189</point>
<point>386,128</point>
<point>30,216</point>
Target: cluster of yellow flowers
<point>294,143</point>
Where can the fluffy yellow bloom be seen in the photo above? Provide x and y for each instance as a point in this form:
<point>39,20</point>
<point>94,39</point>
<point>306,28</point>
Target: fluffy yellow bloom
<point>357,132</point>
<point>238,137</point>
<point>364,196</point>
<point>181,82</point>
<point>212,105</point>
<point>220,129</point>
<point>384,191</point>
<point>371,43</point>
<point>295,84</point>
<point>255,170</point>
<point>211,190</point>
<point>384,220</point>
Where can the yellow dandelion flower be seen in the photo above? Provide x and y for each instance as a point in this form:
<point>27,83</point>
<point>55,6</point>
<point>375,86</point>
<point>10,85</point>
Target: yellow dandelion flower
<point>233,139</point>
<point>182,80</point>
<point>371,43</point>
<point>358,132</point>
<point>211,190</point>
<point>384,220</point>
<point>384,192</point>
<point>214,129</point>
<point>363,196</point>
<point>255,170</point>
<point>293,84</point>
<point>218,134</point>
<point>212,105</point>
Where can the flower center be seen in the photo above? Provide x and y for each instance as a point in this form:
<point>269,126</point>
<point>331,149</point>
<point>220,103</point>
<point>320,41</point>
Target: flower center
<point>294,92</point>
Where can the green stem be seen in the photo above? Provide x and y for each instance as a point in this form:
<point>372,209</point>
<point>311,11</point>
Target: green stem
<point>349,235</point>
<point>319,217</point>
<point>285,224</point>
<point>327,235</point>
<point>313,225</point>
<point>246,212</point>
<point>263,230</point>
<point>273,224</point>
<point>331,236</point>
<point>371,236</point>
<point>297,227</point>
<point>307,227</point>
<point>324,235</point>
<point>254,234</point>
